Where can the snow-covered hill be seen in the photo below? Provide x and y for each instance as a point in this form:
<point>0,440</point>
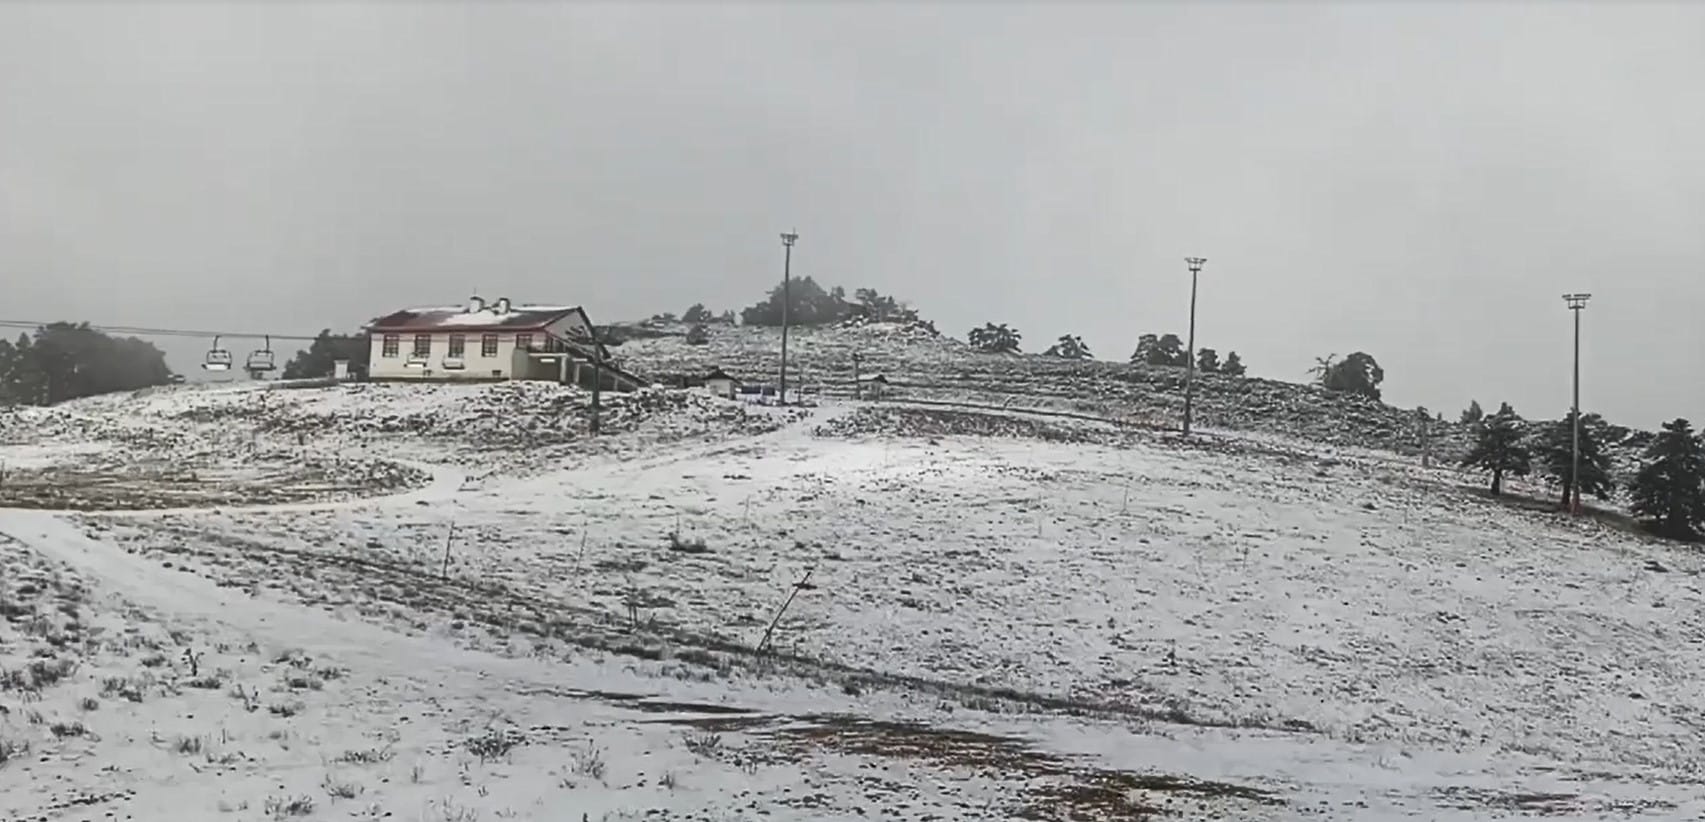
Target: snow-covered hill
<point>922,364</point>
<point>970,614</point>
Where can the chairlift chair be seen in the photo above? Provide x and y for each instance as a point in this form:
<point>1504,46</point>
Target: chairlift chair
<point>260,361</point>
<point>218,359</point>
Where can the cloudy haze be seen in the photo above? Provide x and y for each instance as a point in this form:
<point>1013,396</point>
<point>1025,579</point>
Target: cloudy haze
<point>1418,181</point>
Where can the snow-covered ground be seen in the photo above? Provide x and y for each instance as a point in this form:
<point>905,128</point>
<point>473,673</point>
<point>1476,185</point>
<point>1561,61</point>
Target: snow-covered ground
<point>989,616</point>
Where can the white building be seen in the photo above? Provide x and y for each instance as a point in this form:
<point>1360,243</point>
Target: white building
<point>501,341</point>
<point>719,382</point>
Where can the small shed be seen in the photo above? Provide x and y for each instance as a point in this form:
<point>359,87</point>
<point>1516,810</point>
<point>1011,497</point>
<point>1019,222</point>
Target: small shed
<point>875,387</point>
<point>719,382</point>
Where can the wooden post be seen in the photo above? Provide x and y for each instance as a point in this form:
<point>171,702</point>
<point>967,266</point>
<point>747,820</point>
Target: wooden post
<point>802,584</point>
<point>445,573</point>
<point>858,386</point>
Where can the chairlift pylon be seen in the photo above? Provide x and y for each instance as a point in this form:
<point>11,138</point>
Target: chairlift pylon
<point>218,359</point>
<point>260,361</point>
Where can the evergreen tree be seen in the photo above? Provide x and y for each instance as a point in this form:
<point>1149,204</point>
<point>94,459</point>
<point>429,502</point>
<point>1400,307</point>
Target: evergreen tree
<point>319,358</point>
<point>1472,414</point>
<point>1165,349</point>
<point>1358,373</point>
<point>881,308</point>
<point>1553,448</point>
<point>696,314</point>
<point>1670,487</point>
<point>1233,365</point>
<point>64,361</point>
<point>697,335</point>
<point>1069,347</point>
<point>808,304</point>
<point>995,339</point>
<point>1208,361</point>
<point>1498,448</point>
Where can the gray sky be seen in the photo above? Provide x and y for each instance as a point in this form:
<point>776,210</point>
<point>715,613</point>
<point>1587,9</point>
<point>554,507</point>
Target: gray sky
<point>1418,181</point>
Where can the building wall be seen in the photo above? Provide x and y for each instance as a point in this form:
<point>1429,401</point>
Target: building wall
<point>721,388</point>
<point>499,366</point>
<point>476,366</point>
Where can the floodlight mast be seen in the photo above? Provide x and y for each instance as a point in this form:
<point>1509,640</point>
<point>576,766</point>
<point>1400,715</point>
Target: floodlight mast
<point>1195,264</point>
<point>1577,303</point>
<point>788,238</point>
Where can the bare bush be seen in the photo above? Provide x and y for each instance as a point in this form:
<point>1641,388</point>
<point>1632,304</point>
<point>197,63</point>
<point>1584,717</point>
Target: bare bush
<point>589,762</point>
<point>285,807</point>
<point>123,688</point>
<point>686,545</point>
<point>369,756</point>
<point>11,749</point>
<point>706,743</point>
<point>495,743</point>
<point>340,789</point>
<point>286,709</point>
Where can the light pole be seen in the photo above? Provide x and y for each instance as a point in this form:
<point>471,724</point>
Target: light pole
<point>1576,303</point>
<point>1195,264</point>
<point>787,240</point>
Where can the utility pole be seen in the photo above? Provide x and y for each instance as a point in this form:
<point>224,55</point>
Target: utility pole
<point>1576,303</point>
<point>858,387</point>
<point>1195,264</point>
<point>787,240</point>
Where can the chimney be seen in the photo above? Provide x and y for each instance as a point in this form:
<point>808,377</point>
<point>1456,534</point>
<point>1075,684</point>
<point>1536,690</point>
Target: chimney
<point>476,304</point>
<point>502,305</point>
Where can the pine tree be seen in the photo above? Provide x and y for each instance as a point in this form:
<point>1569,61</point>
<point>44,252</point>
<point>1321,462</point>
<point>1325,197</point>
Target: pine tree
<point>1472,414</point>
<point>1233,365</point>
<point>1499,449</point>
<point>1070,347</point>
<point>995,339</point>
<point>1208,361</point>
<point>1165,349</point>
<point>1553,448</point>
<point>1358,373</point>
<point>319,359</point>
<point>1670,487</point>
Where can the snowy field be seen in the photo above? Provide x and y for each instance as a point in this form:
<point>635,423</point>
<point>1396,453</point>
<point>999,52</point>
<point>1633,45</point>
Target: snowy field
<point>992,616</point>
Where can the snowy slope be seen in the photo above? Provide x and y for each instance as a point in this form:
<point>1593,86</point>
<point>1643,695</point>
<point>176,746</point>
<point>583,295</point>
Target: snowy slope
<point>939,367</point>
<point>930,366</point>
<point>1008,615</point>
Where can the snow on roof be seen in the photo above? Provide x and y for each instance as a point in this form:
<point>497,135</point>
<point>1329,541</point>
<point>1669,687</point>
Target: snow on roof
<point>459,317</point>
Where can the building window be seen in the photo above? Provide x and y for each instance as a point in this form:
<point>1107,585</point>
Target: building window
<point>458,343</point>
<point>488,345</point>
<point>524,341</point>
<point>422,345</point>
<point>389,347</point>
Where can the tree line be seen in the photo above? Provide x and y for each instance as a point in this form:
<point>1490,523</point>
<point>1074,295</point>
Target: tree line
<point>64,361</point>
<point>1152,349</point>
<point>1668,490</point>
<point>319,358</point>
<point>809,304</point>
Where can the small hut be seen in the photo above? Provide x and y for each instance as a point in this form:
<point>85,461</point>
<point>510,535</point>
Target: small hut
<point>719,382</point>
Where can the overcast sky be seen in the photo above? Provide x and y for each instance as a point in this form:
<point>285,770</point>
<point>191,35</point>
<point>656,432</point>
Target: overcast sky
<point>1418,181</point>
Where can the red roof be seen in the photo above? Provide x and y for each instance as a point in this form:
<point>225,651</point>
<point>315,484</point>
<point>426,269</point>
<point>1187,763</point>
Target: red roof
<point>519,318</point>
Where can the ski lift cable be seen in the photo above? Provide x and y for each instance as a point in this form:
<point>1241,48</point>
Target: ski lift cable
<point>141,331</point>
